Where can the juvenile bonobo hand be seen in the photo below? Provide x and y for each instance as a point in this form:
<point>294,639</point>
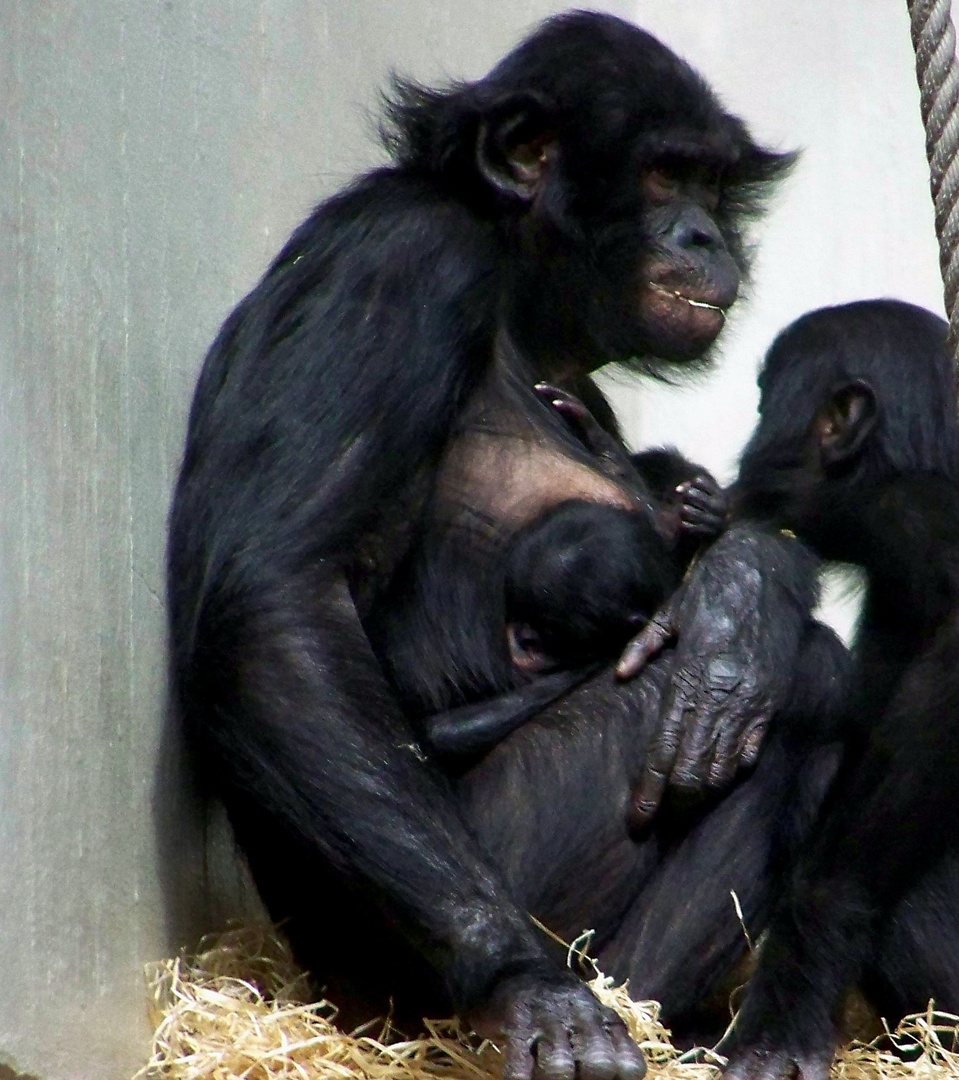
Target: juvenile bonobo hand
<point>555,1029</point>
<point>737,621</point>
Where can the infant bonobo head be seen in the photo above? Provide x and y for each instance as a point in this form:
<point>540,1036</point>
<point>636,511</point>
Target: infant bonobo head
<point>849,397</point>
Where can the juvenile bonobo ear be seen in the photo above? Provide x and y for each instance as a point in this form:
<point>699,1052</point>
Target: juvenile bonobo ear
<point>515,144</point>
<point>844,423</point>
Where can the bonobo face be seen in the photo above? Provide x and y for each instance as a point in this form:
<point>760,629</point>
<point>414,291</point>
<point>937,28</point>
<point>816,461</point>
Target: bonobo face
<point>688,278</point>
<point>623,185</point>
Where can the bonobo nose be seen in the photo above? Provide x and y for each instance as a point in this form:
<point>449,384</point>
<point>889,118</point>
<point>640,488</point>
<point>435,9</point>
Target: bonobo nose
<point>694,228</point>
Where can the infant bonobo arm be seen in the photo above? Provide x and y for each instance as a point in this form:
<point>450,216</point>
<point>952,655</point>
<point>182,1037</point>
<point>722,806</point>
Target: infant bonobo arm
<point>473,729</point>
<point>738,622</point>
<point>693,505</point>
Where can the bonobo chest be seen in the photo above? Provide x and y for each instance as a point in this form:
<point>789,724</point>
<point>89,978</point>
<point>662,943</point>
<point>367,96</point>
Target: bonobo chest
<point>512,459</point>
<point>438,628</point>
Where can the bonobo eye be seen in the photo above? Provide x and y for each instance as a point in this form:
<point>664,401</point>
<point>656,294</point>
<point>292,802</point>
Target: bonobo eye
<point>681,178</point>
<point>660,185</point>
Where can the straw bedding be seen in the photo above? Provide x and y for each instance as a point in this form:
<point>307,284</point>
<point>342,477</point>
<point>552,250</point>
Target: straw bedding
<point>236,1011</point>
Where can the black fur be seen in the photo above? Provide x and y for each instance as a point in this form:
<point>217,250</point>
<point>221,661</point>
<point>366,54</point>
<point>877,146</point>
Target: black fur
<point>857,450</point>
<point>336,537</point>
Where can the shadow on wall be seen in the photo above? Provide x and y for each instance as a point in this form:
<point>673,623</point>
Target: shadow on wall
<point>204,880</point>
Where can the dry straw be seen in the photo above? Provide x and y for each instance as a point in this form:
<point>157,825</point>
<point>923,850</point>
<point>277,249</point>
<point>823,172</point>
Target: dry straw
<point>235,1011</point>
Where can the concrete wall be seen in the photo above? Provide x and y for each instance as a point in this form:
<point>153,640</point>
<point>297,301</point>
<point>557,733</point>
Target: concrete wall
<point>152,158</point>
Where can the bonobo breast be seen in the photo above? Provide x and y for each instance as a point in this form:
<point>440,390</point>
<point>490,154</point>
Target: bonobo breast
<point>438,628</point>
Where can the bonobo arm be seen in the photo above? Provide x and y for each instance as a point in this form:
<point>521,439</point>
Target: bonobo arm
<point>738,622</point>
<point>474,729</point>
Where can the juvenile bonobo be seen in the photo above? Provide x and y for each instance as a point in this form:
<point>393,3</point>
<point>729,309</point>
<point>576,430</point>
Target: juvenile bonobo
<point>365,438</point>
<point>857,452</point>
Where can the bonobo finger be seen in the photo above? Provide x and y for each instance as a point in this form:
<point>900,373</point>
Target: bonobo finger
<point>695,520</point>
<point>751,741</point>
<point>726,758</point>
<point>645,800</point>
<point>691,766</point>
<point>591,1036</point>
<point>554,1056</point>
<point>654,636</point>
<point>700,493</point>
<point>561,401</point>
<point>518,1060</point>
<point>593,1049</point>
<point>630,1063</point>
<point>661,756</point>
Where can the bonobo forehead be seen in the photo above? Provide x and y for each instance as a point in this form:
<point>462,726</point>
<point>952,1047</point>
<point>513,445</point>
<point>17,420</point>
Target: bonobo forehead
<point>612,80</point>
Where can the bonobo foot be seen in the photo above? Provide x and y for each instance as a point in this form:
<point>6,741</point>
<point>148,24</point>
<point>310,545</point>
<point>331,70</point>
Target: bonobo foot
<point>782,1032</point>
<point>555,1029</point>
<point>760,1063</point>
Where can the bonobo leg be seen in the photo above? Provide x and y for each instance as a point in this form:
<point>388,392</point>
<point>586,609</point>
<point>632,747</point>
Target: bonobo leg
<point>550,803</point>
<point>918,957</point>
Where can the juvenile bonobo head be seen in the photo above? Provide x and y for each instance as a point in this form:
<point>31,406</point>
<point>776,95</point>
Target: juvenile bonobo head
<point>615,185</point>
<point>849,397</point>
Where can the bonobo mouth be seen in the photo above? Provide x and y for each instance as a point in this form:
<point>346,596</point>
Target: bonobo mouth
<point>677,295</point>
<point>681,323</point>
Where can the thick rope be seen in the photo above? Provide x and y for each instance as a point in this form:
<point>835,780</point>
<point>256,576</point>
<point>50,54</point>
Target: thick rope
<point>934,40</point>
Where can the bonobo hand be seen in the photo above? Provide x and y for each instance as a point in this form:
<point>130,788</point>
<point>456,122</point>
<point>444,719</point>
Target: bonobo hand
<point>738,620</point>
<point>587,429</point>
<point>758,1063</point>
<point>555,1029</point>
<point>696,508</point>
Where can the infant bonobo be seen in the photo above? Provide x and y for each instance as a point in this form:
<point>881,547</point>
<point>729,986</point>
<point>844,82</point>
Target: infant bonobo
<point>581,580</point>
<point>857,452</point>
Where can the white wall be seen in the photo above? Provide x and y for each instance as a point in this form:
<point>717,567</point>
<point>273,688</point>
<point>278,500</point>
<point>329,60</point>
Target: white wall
<point>855,220</point>
<point>154,158</point>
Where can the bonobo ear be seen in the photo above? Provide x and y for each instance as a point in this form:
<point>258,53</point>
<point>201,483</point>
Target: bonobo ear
<point>844,423</point>
<point>515,143</point>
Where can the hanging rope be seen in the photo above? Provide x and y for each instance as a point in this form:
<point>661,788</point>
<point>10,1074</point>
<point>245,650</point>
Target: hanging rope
<point>934,40</point>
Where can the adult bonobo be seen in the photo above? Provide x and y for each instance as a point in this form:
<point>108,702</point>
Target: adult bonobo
<point>364,436</point>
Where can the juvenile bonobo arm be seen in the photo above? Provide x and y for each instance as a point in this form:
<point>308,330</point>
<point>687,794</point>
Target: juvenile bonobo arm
<point>738,622</point>
<point>303,692</point>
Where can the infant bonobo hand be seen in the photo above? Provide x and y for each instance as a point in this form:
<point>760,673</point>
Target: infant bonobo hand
<point>553,1028</point>
<point>587,429</point>
<point>697,508</point>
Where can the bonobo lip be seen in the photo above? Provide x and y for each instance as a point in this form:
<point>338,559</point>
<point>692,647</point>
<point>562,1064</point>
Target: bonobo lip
<point>664,290</point>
